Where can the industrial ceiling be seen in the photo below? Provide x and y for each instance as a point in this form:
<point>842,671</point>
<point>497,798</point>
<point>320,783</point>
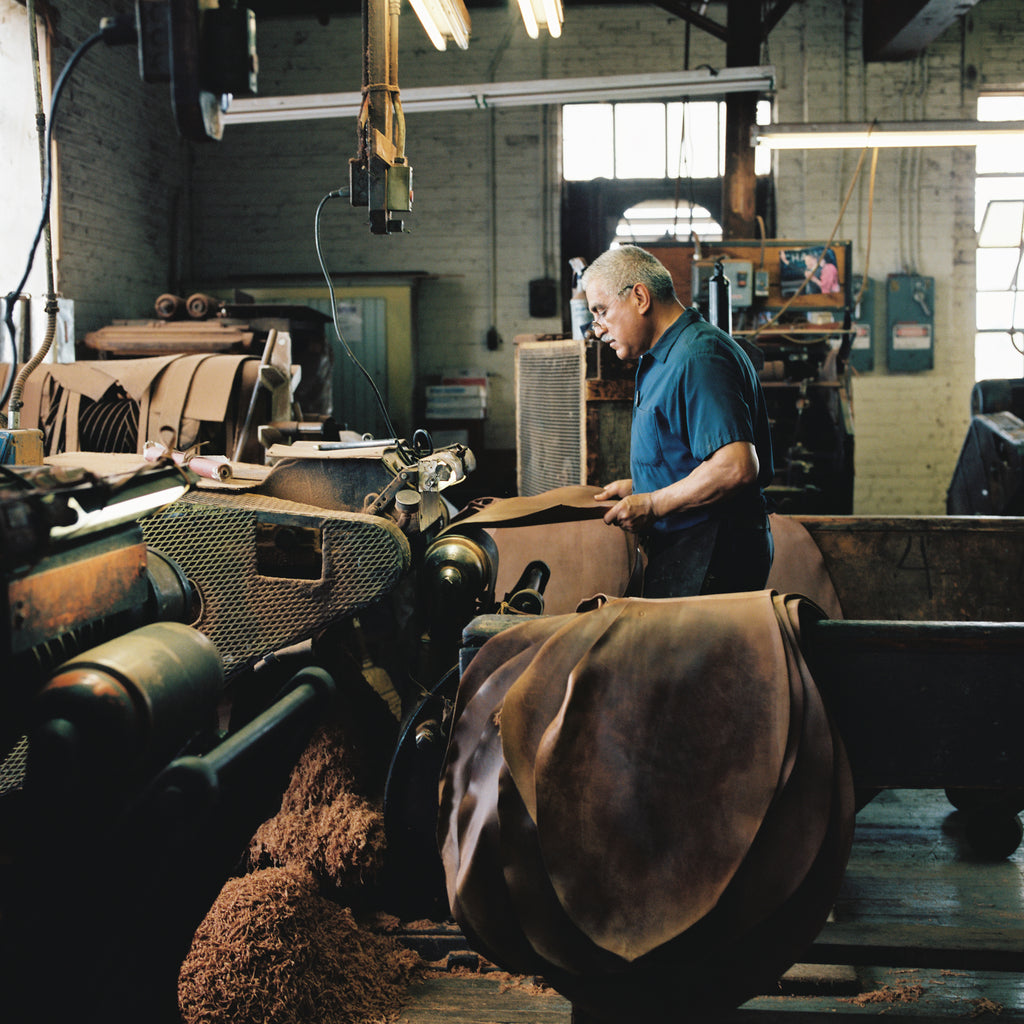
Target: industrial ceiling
<point>893,29</point>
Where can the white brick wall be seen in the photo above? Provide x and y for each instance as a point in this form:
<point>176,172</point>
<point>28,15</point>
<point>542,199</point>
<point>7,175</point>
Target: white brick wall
<point>245,206</point>
<point>909,427</point>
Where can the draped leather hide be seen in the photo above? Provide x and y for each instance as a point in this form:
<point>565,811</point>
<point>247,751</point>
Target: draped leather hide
<point>646,803</point>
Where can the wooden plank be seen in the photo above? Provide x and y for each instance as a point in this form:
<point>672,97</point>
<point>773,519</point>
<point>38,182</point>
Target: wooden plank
<point>449,999</point>
<point>920,945</point>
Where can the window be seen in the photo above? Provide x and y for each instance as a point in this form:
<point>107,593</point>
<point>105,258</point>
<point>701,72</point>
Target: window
<point>999,221</point>
<point>661,220</point>
<point>649,140</point>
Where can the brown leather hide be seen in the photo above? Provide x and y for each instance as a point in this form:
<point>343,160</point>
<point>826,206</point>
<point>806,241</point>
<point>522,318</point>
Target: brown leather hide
<point>564,528</point>
<point>645,802</point>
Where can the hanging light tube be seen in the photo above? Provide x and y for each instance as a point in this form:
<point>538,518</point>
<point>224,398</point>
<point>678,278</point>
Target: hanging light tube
<point>892,134</point>
<point>538,14</point>
<point>443,20</point>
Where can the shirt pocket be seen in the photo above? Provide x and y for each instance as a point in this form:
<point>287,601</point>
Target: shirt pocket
<point>645,438</point>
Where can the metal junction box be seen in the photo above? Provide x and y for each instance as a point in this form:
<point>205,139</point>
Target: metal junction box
<point>910,322</point>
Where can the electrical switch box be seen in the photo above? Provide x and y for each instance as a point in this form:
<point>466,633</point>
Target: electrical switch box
<point>741,282</point>
<point>864,325</point>
<point>910,322</point>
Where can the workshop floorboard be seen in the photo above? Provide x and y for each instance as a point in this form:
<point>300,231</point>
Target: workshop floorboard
<point>919,918</point>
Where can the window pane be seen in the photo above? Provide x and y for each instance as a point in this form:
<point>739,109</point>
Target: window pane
<point>19,160</point>
<point>675,141</point>
<point>762,154</point>
<point>702,143</point>
<point>999,310</point>
<point>660,219</point>
<point>1001,108</point>
<point>995,358</point>
<point>989,190</point>
<point>1002,224</point>
<point>649,140</point>
<point>640,140</point>
<point>1002,154</point>
<point>721,135</point>
<point>999,220</point>
<point>996,269</point>
<point>587,141</point>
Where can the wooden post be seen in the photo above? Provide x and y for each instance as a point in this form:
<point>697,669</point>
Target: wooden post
<point>742,49</point>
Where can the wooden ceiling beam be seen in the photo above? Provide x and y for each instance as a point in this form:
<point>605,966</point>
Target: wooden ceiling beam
<point>901,29</point>
<point>684,11</point>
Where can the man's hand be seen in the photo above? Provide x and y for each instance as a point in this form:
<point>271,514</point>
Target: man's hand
<point>616,489</point>
<point>632,514</point>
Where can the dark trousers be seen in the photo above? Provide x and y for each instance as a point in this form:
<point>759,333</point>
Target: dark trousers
<point>718,556</point>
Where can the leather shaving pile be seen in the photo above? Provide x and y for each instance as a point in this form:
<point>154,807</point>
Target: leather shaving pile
<point>273,950</point>
<point>324,825</point>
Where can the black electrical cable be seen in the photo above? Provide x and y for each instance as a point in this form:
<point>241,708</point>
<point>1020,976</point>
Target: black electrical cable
<point>112,30</point>
<point>406,454</point>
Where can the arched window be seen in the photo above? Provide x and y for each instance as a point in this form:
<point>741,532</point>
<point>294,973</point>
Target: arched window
<point>659,220</point>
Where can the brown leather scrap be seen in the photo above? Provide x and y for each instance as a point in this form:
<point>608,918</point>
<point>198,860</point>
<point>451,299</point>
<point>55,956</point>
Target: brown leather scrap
<point>563,528</point>
<point>646,802</point>
<point>560,504</point>
<point>798,567</point>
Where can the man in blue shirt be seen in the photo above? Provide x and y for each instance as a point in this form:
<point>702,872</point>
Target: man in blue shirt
<point>700,449</point>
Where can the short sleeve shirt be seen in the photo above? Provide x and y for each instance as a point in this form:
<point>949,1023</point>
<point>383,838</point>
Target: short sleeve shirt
<point>696,391</point>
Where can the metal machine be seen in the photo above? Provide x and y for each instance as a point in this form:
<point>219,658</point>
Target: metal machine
<point>989,474</point>
<point>170,649</point>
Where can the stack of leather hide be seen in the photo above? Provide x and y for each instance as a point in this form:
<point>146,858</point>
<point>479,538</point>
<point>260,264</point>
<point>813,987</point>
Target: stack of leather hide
<point>646,803</point>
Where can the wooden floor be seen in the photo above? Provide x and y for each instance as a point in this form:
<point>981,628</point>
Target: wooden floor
<point>918,926</point>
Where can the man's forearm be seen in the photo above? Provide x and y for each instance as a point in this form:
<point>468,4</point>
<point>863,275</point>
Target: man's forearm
<point>729,469</point>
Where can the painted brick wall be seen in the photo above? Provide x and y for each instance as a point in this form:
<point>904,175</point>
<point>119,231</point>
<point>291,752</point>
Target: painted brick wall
<point>122,176</point>
<point>909,427</point>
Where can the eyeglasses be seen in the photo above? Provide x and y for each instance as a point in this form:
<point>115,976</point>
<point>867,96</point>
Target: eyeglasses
<point>600,314</point>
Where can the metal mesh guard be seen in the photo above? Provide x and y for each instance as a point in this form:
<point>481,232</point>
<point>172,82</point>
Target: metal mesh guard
<point>212,537</point>
<point>549,418</point>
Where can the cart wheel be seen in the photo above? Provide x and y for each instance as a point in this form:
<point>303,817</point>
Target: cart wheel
<point>993,832</point>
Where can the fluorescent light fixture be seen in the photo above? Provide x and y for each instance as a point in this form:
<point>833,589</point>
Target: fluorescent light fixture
<point>881,134</point>
<point>662,85</point>
<point>538,14</point>
<point>443,20</point>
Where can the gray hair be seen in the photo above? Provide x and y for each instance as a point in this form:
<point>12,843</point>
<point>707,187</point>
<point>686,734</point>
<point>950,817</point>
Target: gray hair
<point>621,268</point>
